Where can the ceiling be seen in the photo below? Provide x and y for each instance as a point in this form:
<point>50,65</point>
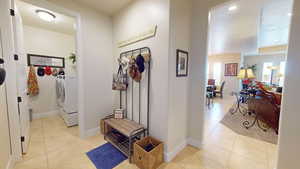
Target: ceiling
<point>109,7</point>
<point>237,31</point>
<point>62,23</point>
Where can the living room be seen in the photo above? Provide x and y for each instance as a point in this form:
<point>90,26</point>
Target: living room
<point>245,76</point>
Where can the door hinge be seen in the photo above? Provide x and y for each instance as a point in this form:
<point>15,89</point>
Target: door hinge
<point>19,99</point>
<point>12,12</point>
<point>16,57</point>
<point>22,139</point>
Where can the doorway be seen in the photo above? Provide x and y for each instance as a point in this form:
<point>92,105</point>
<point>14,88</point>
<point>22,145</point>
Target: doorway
<point>47,71</point>
<point>243,36</point>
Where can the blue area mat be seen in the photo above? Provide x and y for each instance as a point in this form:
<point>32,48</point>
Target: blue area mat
<point>106,156</point>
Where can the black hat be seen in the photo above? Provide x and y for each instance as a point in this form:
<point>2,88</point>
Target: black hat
<point>41,71</point>
<point>2,76</point>
<point>61,71</point>
<point>140,63</point>
<point>2,73</point>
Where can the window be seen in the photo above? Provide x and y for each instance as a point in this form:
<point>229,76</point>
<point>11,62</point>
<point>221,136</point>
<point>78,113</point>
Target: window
<point>281,73</point>
<point>267,72</point>
<point>217,72</point>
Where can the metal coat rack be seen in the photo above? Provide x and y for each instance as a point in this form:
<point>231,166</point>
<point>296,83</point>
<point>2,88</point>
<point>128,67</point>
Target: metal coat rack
<point>144,50</point>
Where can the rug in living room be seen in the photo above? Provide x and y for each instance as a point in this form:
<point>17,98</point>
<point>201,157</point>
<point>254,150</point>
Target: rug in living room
<point>235,123</point>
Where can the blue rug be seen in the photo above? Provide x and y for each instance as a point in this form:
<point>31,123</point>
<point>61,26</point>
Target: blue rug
<point>106,156</point>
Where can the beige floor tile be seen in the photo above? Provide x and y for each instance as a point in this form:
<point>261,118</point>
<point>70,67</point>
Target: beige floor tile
<point>37,134</point>
<point>215,153</point>
<point>251,148</point>
<point>238,161</point>
<point>126,165</point>
<point>35,163</point>
<point>171,165</point>
<point>36,148</point>
<point>186,153</point>
<point>36,124</point>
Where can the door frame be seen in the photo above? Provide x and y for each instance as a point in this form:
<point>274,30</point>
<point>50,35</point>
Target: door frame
<point>11,72</point>
<point>79,51</point>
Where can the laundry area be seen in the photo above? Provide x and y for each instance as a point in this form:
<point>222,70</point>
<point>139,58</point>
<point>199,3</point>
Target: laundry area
<point>48,54</point>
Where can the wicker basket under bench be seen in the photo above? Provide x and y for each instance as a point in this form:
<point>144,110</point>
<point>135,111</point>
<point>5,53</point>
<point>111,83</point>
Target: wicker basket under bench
<point>122,133</point>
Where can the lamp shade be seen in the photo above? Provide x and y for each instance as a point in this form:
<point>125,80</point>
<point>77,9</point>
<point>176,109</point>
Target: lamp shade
<point>273,67</point>
<point>246,74</point>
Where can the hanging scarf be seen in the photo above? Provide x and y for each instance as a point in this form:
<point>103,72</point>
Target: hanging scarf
<point>33,87</point>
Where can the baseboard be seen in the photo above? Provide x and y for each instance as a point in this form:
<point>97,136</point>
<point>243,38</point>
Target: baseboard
<point>169,156</point>
<point>194,142</point>
<point>11,163</point>
<point>92,132</point>
<point>45,114</point>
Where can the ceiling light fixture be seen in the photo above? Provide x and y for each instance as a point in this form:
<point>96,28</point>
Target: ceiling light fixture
<point>232,8</point>
<point>45,15</point>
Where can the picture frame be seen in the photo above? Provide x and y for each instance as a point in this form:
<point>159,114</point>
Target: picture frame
<point>182,63</point>
<point>43,61</point>
<point>231,69</point>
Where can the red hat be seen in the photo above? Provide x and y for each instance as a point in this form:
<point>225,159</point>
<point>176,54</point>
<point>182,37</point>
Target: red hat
<point>48,70</point>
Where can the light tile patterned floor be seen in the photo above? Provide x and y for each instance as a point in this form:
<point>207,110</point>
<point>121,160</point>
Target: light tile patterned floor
<point>54,146</point>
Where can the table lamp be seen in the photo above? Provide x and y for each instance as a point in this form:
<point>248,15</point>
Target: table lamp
<point>246,74</point>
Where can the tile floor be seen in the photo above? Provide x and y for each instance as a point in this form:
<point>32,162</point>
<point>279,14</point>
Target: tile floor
<point>54,146</point>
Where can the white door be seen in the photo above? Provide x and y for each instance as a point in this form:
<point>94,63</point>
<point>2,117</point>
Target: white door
<point>8,51</point>
<point>5,148</point>
<point>22,80</point>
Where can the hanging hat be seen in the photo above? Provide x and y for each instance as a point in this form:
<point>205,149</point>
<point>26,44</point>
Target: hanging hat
<point>138,77</point>
<point>54,72</point>
<point>2,73</point>
<point>48,70</point>
<point>140,63</point>
<point>61,71</point>
<point>124,62</point>
<point>2,76</point>
<point>41,71</point>
<point>147,57</point>
<point>134,73</point>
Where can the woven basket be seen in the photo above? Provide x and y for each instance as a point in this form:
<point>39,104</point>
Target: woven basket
<point>148,160</point>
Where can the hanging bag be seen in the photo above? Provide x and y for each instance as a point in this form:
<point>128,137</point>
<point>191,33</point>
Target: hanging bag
<point>120,80</point>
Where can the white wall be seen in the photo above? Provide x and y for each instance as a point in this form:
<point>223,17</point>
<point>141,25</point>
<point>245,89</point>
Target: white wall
<point>231,82</point>
<point>180,21</point>
<point>259,60</point>
<point>45,42</point>
<point>289,123</point>
<point>138,17</point>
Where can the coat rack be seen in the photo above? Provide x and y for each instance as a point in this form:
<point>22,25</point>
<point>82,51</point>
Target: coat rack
<point>131,53</point>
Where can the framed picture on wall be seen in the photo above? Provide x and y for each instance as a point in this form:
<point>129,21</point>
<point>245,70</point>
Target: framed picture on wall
<point>231,69</point>
<point>43,61</point>
<point>182,63</point>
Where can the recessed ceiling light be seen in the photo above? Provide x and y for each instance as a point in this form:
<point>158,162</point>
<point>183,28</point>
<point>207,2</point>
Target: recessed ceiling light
<point>290,14</point>
<point>232,8</point>
<point>45,15</point>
